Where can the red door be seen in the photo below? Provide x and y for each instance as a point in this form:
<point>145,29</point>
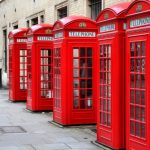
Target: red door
<point>137,93</point>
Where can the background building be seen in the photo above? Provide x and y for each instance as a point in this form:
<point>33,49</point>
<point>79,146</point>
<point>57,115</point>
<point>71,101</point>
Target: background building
<point>16,14</point>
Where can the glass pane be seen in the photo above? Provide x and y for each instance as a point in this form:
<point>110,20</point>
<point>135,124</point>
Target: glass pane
<point>132,65</point>
<point>89,73</point>
<point>101,117</point>
<point>138,65</point>
<point>105,118</point>
<point>143,65</point>
<point>137,97</point>
<point>143,81</point>
<point>75,52</point>
<point>104,105</point>
<point>138,48</point>
<point>75,73</point>
<point>132,110</point>
<point>143,114</point>
<point>109,91</point>
<point>89,83</point>
<point>101,104</point>
<point>101,77</point>
<point>89,102</point>
<point>143,97</point>
<point>109,105</point>
<point>105,50</point>
<point>137,129</point>
<point>82,83</point>
<point>132,96</point>
<point>82,104</point>
<point>101,91</point>
<point>105,91</point>
<point>89,62</point>
<point>101,64</point>
<point>109,78</point>
<point>138,81</point>
<point>132,128</point>
<point>76,83</point>
<point>143,130</point>
<point>82,52</point>
<point>132,80</point>
<point>76,92</point>
<point>89,93</point>
<point>132,45</point>
<point>75,63</point>
<point>76,102</point>
<point>109,51</point>
<point>82,93</point>
<point>137,113</point>
<point>109,120</point>
<point>82,72</point>
<point>143,48</point>
<point>89,52</point>
<point>105,78</point>
<point>101,51</point>
<point>109,65</point>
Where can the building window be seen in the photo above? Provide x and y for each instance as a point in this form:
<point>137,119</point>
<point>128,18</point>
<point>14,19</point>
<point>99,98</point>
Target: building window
<point>34,21</point>
<point>5,48</point>
<point>28,24</point>
<point>62,12</point>
<point>15,26</point>
<point>96,7</point>
<point>42,18</point>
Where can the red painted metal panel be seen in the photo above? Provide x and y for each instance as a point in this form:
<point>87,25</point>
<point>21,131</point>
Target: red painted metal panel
<point>40,68</point>
<point>111,102</point>
<point>17,65</point>
<point>75,47</point>
<point>137,76</point>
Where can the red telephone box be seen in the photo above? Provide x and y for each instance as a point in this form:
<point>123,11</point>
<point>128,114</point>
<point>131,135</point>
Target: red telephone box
<point>111,36</point>
<point>137,76</point>
<point>75,46</point>
<point>18,65</point>
<point>39,65</point>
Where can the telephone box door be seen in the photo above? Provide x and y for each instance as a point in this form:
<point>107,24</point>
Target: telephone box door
<point>137,92</point>
<point>83,102</point>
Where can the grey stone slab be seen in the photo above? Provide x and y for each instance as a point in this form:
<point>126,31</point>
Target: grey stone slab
<point>82,145</point>
<point>24,147</point>
<point>59,146</point>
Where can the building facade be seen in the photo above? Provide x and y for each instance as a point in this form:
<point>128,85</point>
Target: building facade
<point>16,14</point>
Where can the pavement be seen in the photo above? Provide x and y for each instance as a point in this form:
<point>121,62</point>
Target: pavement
<point>23,130</point>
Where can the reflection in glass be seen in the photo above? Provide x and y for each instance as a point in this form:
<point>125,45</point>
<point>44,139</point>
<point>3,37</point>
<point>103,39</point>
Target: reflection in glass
<point>82,104</point>
<point>105,50</point>
<point>75,52</point>
<point>101,91</point>
<point>76,102</point>
<point>76,83</point>
<point>101,51</point>
<point>89,102</point>
<point>105,91</point>
<point>105,78</point>
<point>76,63</point>
<point>109,65</point>
<point>89,93</point>
<point>101,64</point>
<point>101,117</point>
<point>76,92</point>
<point>105,118</point>
<point>104,105</point>
<point>101,77</point>
<point>89,72</point>
<point>75,73</point>
<point>82,93</point>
